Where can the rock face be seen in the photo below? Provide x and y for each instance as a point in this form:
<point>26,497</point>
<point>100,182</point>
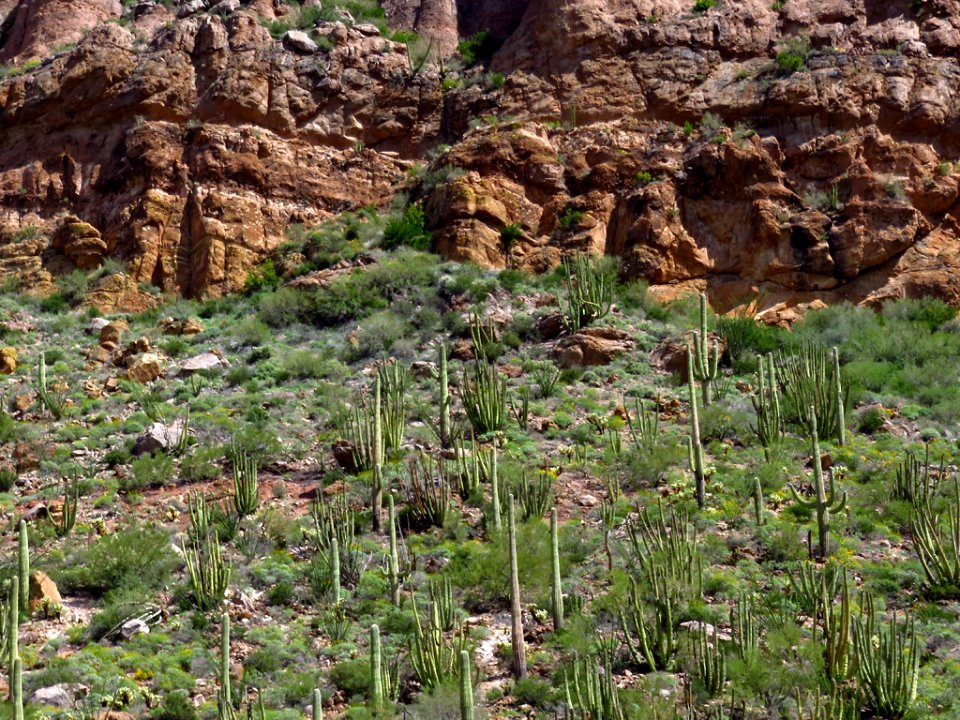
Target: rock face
<point>675,139</point>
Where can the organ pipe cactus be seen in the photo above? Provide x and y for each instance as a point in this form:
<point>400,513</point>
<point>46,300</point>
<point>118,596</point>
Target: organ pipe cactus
<point>588,292</point>
<point>555,582</point>
<point>711,663</point>
<point>466,687</point>
<point>376,679</point>
<point>652,643</point>
<point>393,387</point>
<point>516,612</point>
<point>746,632</point>
<point>836,634</point>
<point>706,365</point>
<point>13,628</point>
<point>766,403</point>
<point>826,501</point>
<point>245,498</point>
<point>887,660</point>
<point>209,575</point>
<point>484,395</point>
<point>937,541</point>
<point>68,517</point>
<point>445,429</point>
<point>694,448</point>
<point>592,694</point>
<point>394,559</point>
<point>16,689</point>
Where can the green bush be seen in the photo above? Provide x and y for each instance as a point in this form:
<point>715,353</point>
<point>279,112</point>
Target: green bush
<point>408,230</point>
<point>793,56</point>
<point>479,48</point>
<point>262,277</point>
<point>148,471</point>
<point>135,558</point>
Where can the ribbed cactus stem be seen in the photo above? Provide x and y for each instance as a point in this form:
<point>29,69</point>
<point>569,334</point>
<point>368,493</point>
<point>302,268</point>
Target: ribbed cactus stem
<point>825,501</point>
<point>495,488</point>
<point>225,700</point>
<point>758,501</point>
<point>16,691</point>
<point>445,438</point>
<point>24,565</point>
<point>516,611</point>
<point>841,423</point>
<point>335,568</point>
<point>394,561</point>
<point>694,448</point>
<point>316,708</point>
<point>555,577</point>
<point>13,629</point>
<point>376,679</point>
<point>466,687</point>
<point>706,364</point>
<point>376,499</point>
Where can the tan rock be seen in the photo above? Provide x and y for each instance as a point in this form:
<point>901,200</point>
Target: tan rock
<point>146,368</point>
<point>44,596</point>
<point>8,360</point>
<point>593,346</point>
<point>110,335</point>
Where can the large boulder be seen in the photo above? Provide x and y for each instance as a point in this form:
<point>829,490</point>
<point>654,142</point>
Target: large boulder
<point>593,346</point>
<point>159,436</point>
<point>146,368</point>
<point>44,596</point>
<point>212,360</point>
<point>8,361</point>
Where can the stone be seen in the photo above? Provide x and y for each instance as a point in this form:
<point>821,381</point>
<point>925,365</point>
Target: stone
<point>110,335</point>
<point>191,7</point>
<point>226,7</point>
<point>132,628</point>
<point>146,368</point>
<point>8,361</point>
<point>424,369</point>
<point>96,325</point>
<point>368,29</point>
<point>593,346</point>
<point>203,362</point>
<point>159,436</point>
<point>172,326</point>
<point>299,41</point>
<point>62,695</point>
<point>44,596</point>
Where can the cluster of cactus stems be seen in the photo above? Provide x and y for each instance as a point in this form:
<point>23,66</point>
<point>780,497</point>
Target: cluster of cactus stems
<point>826,501</point>
<point>433,658</point>
<point>245,498</point>
<point>671,547</point>
<point>766,403</point>
<point>814,584</point>
<point>393,384</point>
<point>209,574</point>
<point>484,395</point>
<point>813,387</point>
<point>644,426</point>
<point>913,481</point>
<point>430,485</point>
<point>533,496</point>
<point>887,661</point>
<point>588,292</point>
<point>556,586</point>
<point>746,631</point>
<point>441,596</point>
<point>706,364</point>
<point>592,694</point>
<point>650,642</point>
<point>68,517</point>
<point>199,514</point>
<point>711,662</point>
<point>836,633</point>
<point>694,447</point>
<point>936,539</point>
<point>518,647</point>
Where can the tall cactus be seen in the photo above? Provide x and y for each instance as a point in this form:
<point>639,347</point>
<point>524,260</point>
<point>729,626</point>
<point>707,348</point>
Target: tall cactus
<point>836,634</point>
<point>209,575</point>
<point>225,709</point>
<point>16,689</point>
<point>694,448</point>
<point>24,565</point>
<point>887,660</point>
<point>376,678</point>
<point>766,403</point>
<point>495,488</point>
<point>516,611</point>
<point>758,501</point>
<point>706,365</point>
<point>316,708</point>
<point>245,499</point>
<point>445,430</point>
<point>825,502</point>
<point>376,493</point>
<point>335,569</point>
<point>555,583</point>
<point>394,559</point>
<point>13,629</point>
<point>466,687</point>
<point>838,399</point>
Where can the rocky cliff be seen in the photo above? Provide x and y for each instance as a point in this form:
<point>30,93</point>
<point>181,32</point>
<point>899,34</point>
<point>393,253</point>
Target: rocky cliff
<point>782,153</point>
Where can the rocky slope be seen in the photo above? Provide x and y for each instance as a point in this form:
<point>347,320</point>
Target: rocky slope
<point>784,156</point>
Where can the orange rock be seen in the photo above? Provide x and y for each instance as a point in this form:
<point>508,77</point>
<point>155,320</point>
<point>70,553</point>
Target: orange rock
<point>8,361</point>
<point>44,596</point>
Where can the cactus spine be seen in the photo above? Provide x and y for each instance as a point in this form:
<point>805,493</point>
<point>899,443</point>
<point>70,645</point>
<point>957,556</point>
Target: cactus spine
<point>694,448</point>
<point>466,687</point>
<point>225,694</point>
<point>16,689</point>
<point>445,438</point>
<point>394,561</point>
<point>825,502</point>
<point>316,709</point>
<point>555,578</point>
<point>376,498</point>
<point>841,425</point>
<point>335,569</point>
<point>706,365</point>
<point>13,629</point>
<point>24,565</point>
<point>758,501</point>
<point>516,612</point>
<point>376,679</point>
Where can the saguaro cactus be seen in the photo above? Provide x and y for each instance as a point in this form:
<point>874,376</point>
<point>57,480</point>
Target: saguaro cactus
<point>516,612</point>
<point>394,560</point>
<point>335,569</point>
<point>825,502</point>
<point>13,629</point>
<point>24,565</point>
<point>316,708</point>
<point>758,501</point>
<point>555,577</point>
<point>376,493</point>
<point>706,365</point>
<point>225,694</point>
<point>466,687</point>
<point>376,679</point>
<point>445,439</point>
<point>838,388</point>
<point>16,689</point>
<point>694,448</point>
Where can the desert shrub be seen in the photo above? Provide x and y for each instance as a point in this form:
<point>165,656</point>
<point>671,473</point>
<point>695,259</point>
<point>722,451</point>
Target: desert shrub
<point>250,332</point>
<point>478,48</point>
<point>134,558</point>
<point>378,334</point>
<point>407,230</point>
<point>743,336</point>
<point>201,464</point>
<point>871,420</point>
<point>285,307</point>
<point>262,277</point>
<point>793,56</point>
<point>148,471</point>
<point>176,706</point>
<point>304,364</point>
<point>72,287</point>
